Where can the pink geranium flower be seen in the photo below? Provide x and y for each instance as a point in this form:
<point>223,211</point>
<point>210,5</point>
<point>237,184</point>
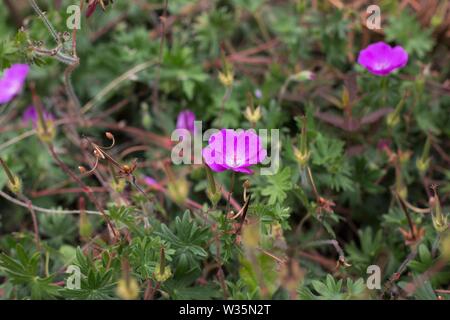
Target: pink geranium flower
<point>234,150</point>
<point>381,59</point>
<point>12,82</point>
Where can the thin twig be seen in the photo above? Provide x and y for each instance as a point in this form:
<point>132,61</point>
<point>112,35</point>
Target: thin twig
<point>116,82</point>
<point>44,210</point>
<point>155,95</point>
<point>85,188</point>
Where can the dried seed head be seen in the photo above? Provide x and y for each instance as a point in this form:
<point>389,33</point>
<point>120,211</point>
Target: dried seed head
<point>109,135</point>
<point>342,262</point>
<point>82,169</point>
<point>97,153</point>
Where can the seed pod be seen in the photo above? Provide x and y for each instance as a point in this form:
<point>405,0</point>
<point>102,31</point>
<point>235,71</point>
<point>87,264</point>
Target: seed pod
<point>82,169</point>
<point>109,135</point>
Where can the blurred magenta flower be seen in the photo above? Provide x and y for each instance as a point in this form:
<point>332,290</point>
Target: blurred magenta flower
<point>91,8</point>
<point>381,59</point>
<point>186,120</point>
<point>234,150</point>
<point>30,114</point>
<point>152,183</point>
<point>12,82</point>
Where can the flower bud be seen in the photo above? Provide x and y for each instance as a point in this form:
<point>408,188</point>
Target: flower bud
<point>400,187</point>
<point>253,115</point>
<point>46,130</point>
<point>423,162</point>
<point>393,118</point>
<point>302,153</point>
<point>213,194</point>
<point>128,289</point>
<point>162,271</point>
<point>15,185</point>
<point>302,158</point>
<point>226,78</point>
<point>422,165</point>
<point>440,221</point>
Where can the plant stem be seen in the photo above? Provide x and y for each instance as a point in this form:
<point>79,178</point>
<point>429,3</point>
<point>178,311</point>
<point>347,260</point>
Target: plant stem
<point>313,185</point>
<point>408,217</point>
<point>34,219</point>
<point>47,23</point>
<point>43,210</point>
<point>85,188</point>
<point>233,177</point>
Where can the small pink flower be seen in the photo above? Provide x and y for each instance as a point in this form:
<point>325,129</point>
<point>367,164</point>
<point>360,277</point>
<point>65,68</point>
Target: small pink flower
<point>186,120</point>
<point>381,59</point>
<point>12,82</point>
<point>234,150</point>
<point>30,114</point>
<point>150,181</point>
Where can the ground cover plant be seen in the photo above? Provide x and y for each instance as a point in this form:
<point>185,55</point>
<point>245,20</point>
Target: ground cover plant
<point>335,186</point>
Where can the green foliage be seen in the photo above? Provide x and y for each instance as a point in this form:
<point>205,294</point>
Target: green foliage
<point>370,246</point>
<point>187,240</point>
<point>328,153</point>
<point>330,289</point>
<point>277,187</point>
<point>406,30</point>
<point>307,232</point>
<point>24,270</point>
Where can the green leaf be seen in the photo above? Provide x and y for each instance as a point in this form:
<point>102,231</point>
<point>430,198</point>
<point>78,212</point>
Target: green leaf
<point>278,186</point>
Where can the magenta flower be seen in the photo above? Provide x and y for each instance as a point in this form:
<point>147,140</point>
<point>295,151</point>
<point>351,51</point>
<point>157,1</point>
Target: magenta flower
<point>234,150</point>
<point>91,9</point>
<point>30,114</point>
<point>12,82</point>
<point>381,59</point>
<point>186,120</point>
<point>150,181</point>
